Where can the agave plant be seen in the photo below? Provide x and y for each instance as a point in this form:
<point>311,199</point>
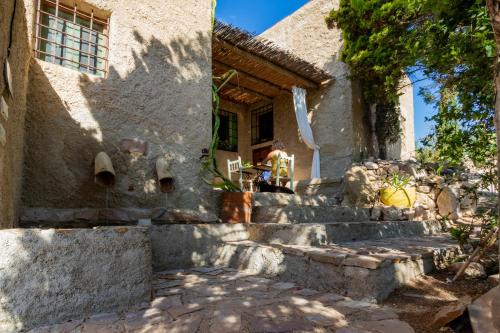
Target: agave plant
<point>209,168</point>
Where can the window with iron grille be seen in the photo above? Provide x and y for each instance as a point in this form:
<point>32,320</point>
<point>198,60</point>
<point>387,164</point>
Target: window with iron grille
<point>262,124</point>
<point>228,131</point>
<point>71,38</point>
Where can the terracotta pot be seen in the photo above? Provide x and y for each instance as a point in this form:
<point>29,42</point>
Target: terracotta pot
<point>236,207</point>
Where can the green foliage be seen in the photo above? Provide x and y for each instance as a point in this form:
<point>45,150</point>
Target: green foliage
<point>209,168</point>
<point>450,42</point>
<point>398,181</point>
<point>461,233</point>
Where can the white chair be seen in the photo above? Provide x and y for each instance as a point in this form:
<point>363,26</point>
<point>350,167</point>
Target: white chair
<point>290,161</point>
<point>237,167</point>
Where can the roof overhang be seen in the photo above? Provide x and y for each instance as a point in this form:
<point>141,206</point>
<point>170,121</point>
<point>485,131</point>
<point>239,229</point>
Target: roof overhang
<point>264,70</point>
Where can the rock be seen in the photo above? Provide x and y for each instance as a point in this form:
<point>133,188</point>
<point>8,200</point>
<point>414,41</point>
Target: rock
<point>494,278</point>
<point>412,170</point>
<point>425,201</point>
<point>432,180</point>
<point>376,213</point>
<point>424,189</point>
<point>422,214</point>
<point>474,270</point>
<point>358,187</point>
<point>392,169</point>
<point>371,165</point>
<point>450,312</point>
<point>448,203</point>
<point>392,214</point>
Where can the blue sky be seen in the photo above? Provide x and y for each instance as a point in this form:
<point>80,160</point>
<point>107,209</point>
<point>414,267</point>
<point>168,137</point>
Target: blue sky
<point>258,15</point>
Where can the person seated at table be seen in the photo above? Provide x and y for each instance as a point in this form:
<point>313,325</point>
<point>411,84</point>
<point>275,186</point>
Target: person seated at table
<point>277,149</point>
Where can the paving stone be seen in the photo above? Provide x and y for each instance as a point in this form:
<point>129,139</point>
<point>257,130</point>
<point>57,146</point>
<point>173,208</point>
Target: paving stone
<point>205,270</point>
<point>168,292</point>
<point>363,261</point>
<point>177,311</point>
<point>306,292</point>
<point>330,298</point>
<point>164,284</point>
<point>163,303</point>
<point>385,326</point>
<point>226,321</point>
<point>247,303</point>
<point>327,257</point>
<point>137,320</point>
<point>283,285</point>
<point>353,330</point>
<point>283,324</point>
<point>185,324</point>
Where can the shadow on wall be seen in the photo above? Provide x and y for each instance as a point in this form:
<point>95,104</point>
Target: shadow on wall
<point>164,100</point>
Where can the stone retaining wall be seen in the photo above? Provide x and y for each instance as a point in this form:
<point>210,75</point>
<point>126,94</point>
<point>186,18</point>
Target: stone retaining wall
<point>49,276</point>
<point>437,196</point>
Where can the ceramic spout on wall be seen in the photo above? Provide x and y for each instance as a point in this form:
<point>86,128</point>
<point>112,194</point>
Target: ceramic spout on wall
<point>104,172</point>
<point>165,178</point>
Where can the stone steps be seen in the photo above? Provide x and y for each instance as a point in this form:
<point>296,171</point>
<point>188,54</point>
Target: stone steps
<point>316,234</point>
<point>309,214</point>
<point>368,270</point>
<point>262,199</point>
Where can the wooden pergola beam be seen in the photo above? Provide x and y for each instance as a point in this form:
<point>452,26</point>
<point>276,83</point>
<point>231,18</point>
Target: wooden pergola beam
<point>248,91</point>
<point>301,81</point>
<point>267,85</point>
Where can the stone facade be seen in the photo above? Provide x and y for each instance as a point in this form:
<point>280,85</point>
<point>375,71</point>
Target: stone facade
<point>157,91</point>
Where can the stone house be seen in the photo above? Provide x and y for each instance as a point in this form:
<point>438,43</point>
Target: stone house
<point>107,75</point>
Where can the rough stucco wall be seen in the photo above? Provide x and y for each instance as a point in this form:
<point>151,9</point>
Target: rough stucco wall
<point>305,33</point>
<point>158,91</point>
<point>49,276</point>
<point>11,155</point>
<point>404,149</point>
<point>286,129</point>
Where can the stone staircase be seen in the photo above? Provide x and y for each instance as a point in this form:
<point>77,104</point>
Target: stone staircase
<point>316,243</point>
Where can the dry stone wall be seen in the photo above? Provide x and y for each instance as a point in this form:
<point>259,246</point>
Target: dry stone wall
<point>437,196</point>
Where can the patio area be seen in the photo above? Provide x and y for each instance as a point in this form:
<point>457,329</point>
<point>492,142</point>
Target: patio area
<point>215,299</point>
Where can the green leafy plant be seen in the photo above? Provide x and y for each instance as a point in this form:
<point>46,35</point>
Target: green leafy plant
<point>209,167</point>
<point>461,233</point>
<point>397,181</point>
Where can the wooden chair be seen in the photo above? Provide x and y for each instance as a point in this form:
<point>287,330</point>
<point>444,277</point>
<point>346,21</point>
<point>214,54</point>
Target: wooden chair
<point>290,161</point>
<point>236,166</point>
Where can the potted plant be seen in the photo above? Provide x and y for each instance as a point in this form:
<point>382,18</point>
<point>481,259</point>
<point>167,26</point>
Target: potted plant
<point>236,204</point>
<point>398,191</point>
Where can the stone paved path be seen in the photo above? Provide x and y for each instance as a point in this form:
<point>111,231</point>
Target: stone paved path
<point>218,300</point>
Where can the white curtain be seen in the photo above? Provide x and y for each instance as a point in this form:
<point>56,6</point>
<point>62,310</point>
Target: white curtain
<point>299,101</point>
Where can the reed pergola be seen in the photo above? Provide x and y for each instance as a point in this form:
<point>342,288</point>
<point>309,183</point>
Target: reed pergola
<point>264,69</point>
